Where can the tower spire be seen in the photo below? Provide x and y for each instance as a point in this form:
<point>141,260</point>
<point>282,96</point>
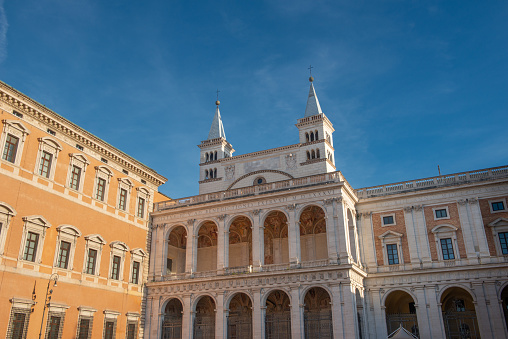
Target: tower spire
<point>217,129</point>
<point>313,106</point>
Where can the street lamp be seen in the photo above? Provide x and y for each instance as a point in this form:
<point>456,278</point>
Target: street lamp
<point>54,277</point>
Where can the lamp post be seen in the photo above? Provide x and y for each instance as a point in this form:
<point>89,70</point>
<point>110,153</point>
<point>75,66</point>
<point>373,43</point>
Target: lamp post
<point>47,299</point>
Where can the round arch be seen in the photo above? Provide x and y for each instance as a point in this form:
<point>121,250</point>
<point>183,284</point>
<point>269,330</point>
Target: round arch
<point>267,293</point>
<point>310,204</point>
<point>230,297</point>
<point>395,289</point>
<point>169,228</point>
<point>201,296</point>
<point>202,222</point>
<point>167,300</point>
<point>232,218</point>
<point>264,215</point>
<point>303,293</point>
<point>447,287</point>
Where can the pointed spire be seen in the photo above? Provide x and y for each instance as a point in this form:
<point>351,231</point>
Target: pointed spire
<point>217,129</point>
<point>313,106</point>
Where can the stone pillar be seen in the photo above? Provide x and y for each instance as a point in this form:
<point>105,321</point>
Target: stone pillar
<point>258,319</point>
<point>190,247</point>
<point>478,228</point>
<point>482,312</point>
<point>294,237</point>
<point>337,316</point>
<point>379,314</point>
<point>187,317</point>
<point>157,319</point>
<point>414,250</point>
<point>435,313</point>
<point>220,318</point>
<point>156,268</point>
<point>422,235</point>
<point>296,313</point>
<point>341,232</point>
<point>367,231</point>
<point>496,315</point>
<point>331,230</point>
<point>257,241</point>
<point>467,229</point>
<point>222,245</point>
<point>348,311</point>
<point>422,312</point>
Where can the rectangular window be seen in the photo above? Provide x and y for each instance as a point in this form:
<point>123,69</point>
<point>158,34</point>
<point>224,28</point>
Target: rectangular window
<point>135,272</point>
<point>441,214</point>
<point>123,199</point>
<point>460,306</point>
<point>141,208</point>
<point>63,254</point>
<point>45,165</point>
<point>131,331</point>
<point>169,265</point>
<point>447,248</point>
<point>498,206</point>
<point>503,239</point>
<point>11,148</point>
<point>388,220</point>
<point>101,189</point>
<point>75,177</point>
<point>83,328</point>
<point>393,255</point>
<point>115,269</point>
<point>109,329</point>
<point>90,263</point>
<point>54,327</point>
<point>32,241</point>
<point>18,326</point>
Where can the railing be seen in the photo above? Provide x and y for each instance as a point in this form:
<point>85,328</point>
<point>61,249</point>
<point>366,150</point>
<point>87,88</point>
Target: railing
<point>443,180</point>
<point>315,263</point>
<point>252,190</point>
<point>204,274</point>
<point>238,270</point>
<point>275,267</point>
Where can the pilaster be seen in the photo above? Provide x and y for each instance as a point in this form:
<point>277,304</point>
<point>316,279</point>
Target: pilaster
<point>422,314</point>
<point>257,241</point>
<point>341,232</point>
<point>222,244</point>
<point>421,234</point>
<point>467,226</point>
<point>495,311</point>
<point>479,229</point>
<point>379,314</point>
<point>187,317</point>
<point>258,319</point>
<point>483,314</point>
<point>294,236</point>
<point>296,314</point>
<point>220,318</point>
<point>414,250</point>
<point>190,247</point>
<point>331,230</point>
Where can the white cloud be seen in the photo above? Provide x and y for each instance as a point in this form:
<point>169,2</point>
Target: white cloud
<point>3,32</point>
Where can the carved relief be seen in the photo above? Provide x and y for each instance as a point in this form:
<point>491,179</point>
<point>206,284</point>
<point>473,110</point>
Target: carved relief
<point>256,212</point>
<point>230,172</point>
<point>408,209</point>
<point>418,208</point>
<point>222,217</point>
<point>291,161</point>
<point>472,201</point>
<point>190,222</point>
<point>292,207</point>
<point>462,202</point>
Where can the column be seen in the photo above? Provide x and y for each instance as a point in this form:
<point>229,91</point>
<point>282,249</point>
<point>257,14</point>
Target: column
<point>435,313</point>
<point>190,247</point>
<point>482,312</point>
<point>257,241</point>
<point>467,229</point>
<point>157,319</point>
<point>220,318</point>
<point>414,254</point>
<point>421,234</point>
<point>188,317</point>
<point>296,313</point>
<point>479,229</point>
<point>422,313</point>
<point>156,268</point>
<point>348,311</point>
<point>258,319</point>
<point>367,232</point>
<point>337,317</point>
<point>222,245</point>
<point>294,236</point>
<point>379,314</point>
<point>331,233</point>
<point>494,306</point>
<point>341,232</point>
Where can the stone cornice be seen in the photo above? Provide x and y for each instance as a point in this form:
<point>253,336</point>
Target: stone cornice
<point>26,105</point>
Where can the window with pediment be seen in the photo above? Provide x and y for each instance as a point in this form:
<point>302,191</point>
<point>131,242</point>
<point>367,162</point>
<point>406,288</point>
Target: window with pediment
<point>446,242</point>
<point>66,245</point>
<point>12,140</point>
<point>142,201</point>
<point>93,253</point>
<point>32,240</point>
<point>101,185</point>
<point>137,264</point>
<point>117,259</point>
<point>392,248</point>
<point>47,157</point>
<point>77,170</point>
<point>124,192</point>
<point>499,228</point>
<point>6,214</point>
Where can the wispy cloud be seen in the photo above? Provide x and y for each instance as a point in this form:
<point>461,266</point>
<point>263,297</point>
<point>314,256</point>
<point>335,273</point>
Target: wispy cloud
<point>3,32</point>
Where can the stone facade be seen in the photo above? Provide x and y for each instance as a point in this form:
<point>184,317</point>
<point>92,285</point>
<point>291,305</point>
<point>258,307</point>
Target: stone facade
<point>279,245</point>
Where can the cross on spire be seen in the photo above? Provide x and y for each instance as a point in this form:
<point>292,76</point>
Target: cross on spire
<point>310,69</point>
<point>218,94</point>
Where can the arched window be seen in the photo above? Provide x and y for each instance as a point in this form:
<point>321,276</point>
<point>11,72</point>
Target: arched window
<point>317,154</point>
<point>206,174</point>
<point>215,155</point>
<point>313,154</point>
<point>308,155</point>
<point>207,157</point>
<point>317,135</point>
<point>215,173</point>
<point>307,137</point>
<point>311,136</point>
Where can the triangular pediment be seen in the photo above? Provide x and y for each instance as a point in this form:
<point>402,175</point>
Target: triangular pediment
<point>7,209</point>
<point>499,222</point>
<point>37,220</point>
<point>390,234</point>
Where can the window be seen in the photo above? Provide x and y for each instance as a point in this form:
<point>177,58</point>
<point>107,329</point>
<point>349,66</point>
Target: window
<point>19,115</point>
<point>132,325</point>
<point>115,270</point>
<point>10,149</point>
<point>124,192</point>
<point>102,178</point>
<point>447,248</point>
<point>93,251</point>
<point>143,197</point>
<point>20,316</point>
<point>91,261</point>
<point>12,139</point>
<point>123,198</point>
<point>104,160</point>
<point>78,146</point>
<point>18,325</point>
<point>63,256</point>
<point>131,331</point>
<point>85,322</point>
<point>137,258</point>
<point>109,329</point>
<point>110,318</point>
<point>118,251</point>
<point>388,220</point>
<point>124,171</point>
<point>169,264</point>
<point>393,256</point>
<point>441,213</point>
<point>6,213</point>
<point>141,208</point>
<point>77,170</point>
<point>460,306</point>
<point>67,238</point>
<point>499,228</point>
<point>135,272</point>
<point>32,241</point>
<point>498,206</point>
<point>34,233</point>
<point>56,320</point>
<point>54,327</point>
<point>84,328</point>
<point>503,240</point>
<point>47,157</point>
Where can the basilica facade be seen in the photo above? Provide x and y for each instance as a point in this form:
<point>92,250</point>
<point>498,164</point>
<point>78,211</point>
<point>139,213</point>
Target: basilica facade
<point>279,245</point>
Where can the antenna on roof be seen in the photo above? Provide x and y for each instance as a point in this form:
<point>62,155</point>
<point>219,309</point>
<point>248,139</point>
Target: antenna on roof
<point>439,170</point>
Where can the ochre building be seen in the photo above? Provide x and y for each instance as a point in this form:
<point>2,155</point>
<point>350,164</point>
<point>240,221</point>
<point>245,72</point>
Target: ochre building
<point>279,245</point>
<point>73,210</point>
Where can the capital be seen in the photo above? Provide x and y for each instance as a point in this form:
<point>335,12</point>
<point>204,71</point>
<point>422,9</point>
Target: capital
<point>256,212</point>
<point>222,217</point>
<point>418,207</point>
<point>292,207</point>
<point>190,222</point>
<point>462,202</point>
<point>472,201</point>
<point>408,209</point>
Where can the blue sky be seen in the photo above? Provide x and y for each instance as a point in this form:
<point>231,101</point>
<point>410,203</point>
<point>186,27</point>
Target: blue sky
<point>408,85</point>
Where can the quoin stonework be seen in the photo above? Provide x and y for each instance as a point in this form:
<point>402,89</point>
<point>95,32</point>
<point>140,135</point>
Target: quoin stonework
<point>279,245</point>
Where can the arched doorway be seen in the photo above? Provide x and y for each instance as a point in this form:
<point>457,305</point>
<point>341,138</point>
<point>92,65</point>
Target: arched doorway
<point>207,247</point>
<point>504,299</point>
<point>240,317</point>
<point>318,314</point>
<point>459,314</point>
<point>278,316</point>
<point>313,242</point>
<point>172,323</point>
<point>276,238</point>
<point>240,242</point>
<point>204,321</point>
<point>177,243</point>
<point>400,310</point>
